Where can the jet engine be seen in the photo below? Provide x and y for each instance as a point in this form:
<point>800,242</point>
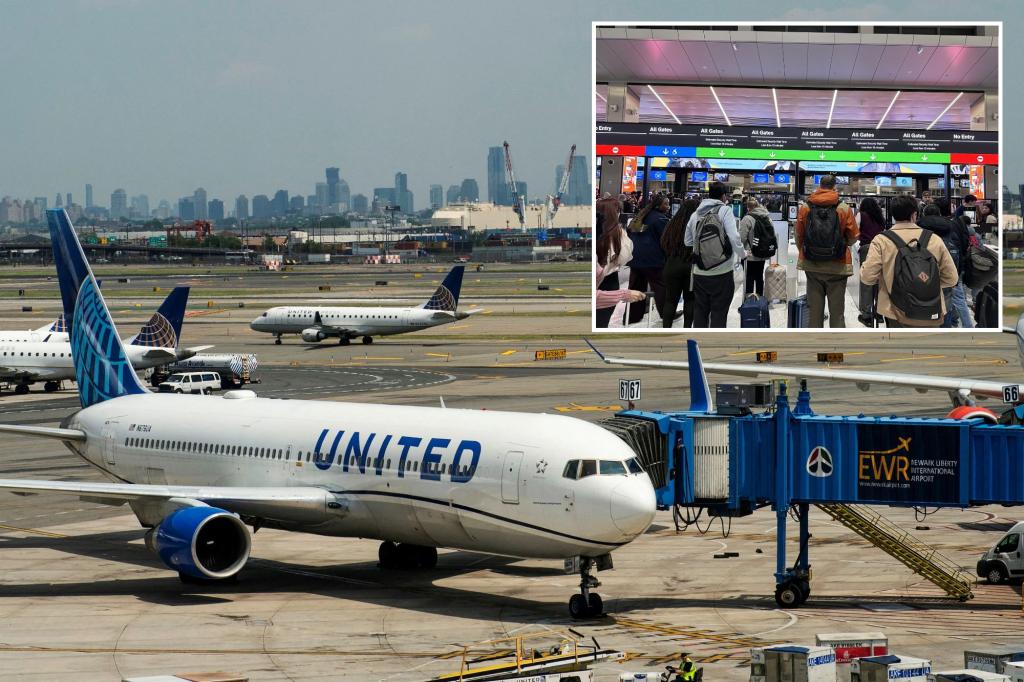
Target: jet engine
<point>313,335</point>
<point>973,412</point>
<point>202,542</point>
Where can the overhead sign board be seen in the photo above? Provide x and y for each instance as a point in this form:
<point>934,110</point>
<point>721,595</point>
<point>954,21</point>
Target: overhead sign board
<point>822,144</point>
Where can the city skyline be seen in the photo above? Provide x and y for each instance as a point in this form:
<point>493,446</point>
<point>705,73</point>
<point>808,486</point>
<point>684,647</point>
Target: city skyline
<point>114,106</point>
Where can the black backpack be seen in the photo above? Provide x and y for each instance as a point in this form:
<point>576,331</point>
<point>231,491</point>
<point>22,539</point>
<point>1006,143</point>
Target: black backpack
<point>980,267</point>
<point>823,237</point>
<point>711,247</point>
<point>763,241</point>
<point>916,285</point>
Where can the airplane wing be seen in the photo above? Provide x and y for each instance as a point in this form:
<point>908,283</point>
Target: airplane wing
<point>278,503</point>
<point>43,432</point>
<point>186,353</point>
<point>921,383</point>
<point>160,354</point>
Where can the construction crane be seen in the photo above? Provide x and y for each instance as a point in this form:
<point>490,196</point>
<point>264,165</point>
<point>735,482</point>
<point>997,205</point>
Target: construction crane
<point>553,202</point>
<point>518,202</point>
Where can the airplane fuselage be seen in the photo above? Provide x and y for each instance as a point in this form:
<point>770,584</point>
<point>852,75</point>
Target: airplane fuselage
<point>51,360</point>
<point>352,321</point>
<point>478,480</point>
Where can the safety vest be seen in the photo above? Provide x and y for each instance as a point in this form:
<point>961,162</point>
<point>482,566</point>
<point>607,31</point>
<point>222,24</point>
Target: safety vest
<point>688,671</point>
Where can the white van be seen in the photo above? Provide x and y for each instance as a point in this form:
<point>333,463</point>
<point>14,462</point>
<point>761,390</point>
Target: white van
<point>1004,561</point>
<point>191,382</point>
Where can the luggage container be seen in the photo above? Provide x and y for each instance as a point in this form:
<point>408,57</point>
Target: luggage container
<point>885,668</point>
<point>851,645</point>
<point>791,663</point>
<point>1015,671</point>
<point>967,675</point>
<point>995,658</point>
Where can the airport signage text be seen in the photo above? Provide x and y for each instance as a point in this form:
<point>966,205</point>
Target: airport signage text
<point>908,463</point>
<point>939,146</point>
<point>550,354</point>
<point>629,390</point>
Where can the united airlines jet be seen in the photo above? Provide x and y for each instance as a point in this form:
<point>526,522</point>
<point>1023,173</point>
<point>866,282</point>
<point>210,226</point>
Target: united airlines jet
<point>49,360</point>
<point>316,323</point>
<point>55,331</point>
<point>198,471</point>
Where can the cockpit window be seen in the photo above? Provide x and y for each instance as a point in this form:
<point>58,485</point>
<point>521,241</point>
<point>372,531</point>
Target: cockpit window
<point>572,468</point>
<point>611,467</point>
<point>634,466</point>
<point>588,468</point>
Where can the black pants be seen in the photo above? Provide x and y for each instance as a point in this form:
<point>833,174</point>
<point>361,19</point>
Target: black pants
<point>604,315</point>
<point>677,285</point>
<point>646,279</point>
<point>712,298</point>
<point>755,278</point>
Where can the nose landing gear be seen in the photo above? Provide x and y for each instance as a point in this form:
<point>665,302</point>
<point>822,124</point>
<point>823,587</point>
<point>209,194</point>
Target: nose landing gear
<point>277,341</point>
<point>586,604</point>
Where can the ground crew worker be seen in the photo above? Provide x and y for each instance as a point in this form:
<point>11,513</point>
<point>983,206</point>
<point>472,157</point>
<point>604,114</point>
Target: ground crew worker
<point>687,670</point>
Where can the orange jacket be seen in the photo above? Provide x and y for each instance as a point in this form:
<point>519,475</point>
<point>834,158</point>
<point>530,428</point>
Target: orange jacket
<point>847,224</point>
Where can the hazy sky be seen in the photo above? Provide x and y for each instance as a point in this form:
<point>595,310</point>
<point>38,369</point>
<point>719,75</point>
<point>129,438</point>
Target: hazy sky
<point>248,97</point>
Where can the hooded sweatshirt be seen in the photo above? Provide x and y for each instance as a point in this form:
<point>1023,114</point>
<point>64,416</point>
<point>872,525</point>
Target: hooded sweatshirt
<point>951,236</point>
<point>747,226</point>
<point>731,233</point>
<point>847,225</point>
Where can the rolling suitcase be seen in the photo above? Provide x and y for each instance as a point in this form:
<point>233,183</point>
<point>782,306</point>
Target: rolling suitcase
<point>775,282</point>
<point>797,314</point>
<point>754,312</point>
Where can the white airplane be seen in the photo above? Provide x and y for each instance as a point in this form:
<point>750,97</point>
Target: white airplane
<point>316,323</point>
<point>50,361</point>
<point>962,392</point>
<point>197,470</point>
<point>55,331</point>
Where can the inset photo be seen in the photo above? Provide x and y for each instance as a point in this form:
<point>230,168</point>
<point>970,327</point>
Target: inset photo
<point>786,176</point>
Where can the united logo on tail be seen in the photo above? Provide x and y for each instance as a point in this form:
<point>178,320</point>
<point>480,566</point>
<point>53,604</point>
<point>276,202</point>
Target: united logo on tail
<point>446,297</point>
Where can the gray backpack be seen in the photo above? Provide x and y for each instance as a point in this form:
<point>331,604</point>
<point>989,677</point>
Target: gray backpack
<point>711,246</point>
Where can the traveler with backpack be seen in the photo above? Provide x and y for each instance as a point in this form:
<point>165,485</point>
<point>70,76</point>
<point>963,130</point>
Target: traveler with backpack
<point>760,244</point>
<point>911,266</point>
<point>957,239</point>
<point>678,266</point>
<point>712,233</point>
<point>645,270</point>
<point>825,229</point>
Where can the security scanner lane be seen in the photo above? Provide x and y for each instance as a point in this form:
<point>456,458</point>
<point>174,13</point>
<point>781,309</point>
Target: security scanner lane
<point>726,461</point>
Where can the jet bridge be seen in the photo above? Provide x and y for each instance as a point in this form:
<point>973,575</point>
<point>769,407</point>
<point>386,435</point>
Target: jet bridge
<point>790,458</point>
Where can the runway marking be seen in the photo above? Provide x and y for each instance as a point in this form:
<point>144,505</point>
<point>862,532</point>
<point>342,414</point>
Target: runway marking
<point>577,352</point>
<point>217,652</point>
<point>201,313</point>
<point>914,357</point>
<point>458,326</point>
<point>730,645</point>
<point>35,531</point>
<point>438,355</point>
<point>573,407</point>
<point>509,352</point>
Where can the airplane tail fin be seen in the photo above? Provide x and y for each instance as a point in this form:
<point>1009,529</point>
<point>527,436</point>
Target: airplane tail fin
<point>59,325</point>
<point>102,369</point>
<point>700,394</point>
<point>447,295</point>
<point>164,329</point>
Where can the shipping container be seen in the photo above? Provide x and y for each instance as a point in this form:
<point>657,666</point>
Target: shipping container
<point>993,659</point>
<point>967,675</point>
<point>885,668</point>
<point>791,663</point>
<point>851,645</point>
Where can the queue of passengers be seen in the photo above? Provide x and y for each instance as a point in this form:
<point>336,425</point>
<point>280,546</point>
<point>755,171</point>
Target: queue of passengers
<point>685,249</point>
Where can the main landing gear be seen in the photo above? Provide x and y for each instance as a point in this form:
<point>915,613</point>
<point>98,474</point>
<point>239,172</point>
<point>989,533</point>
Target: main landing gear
<point>367,340</point>
<point>21,389</point>
<point>344,340</point>
<point>51,386</point>
<point>406,556</point>
<point>586,604</point>
<point>277,340</point>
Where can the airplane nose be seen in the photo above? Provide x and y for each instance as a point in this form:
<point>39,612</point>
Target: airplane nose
<point>255,324</point>
<point>633,505</point>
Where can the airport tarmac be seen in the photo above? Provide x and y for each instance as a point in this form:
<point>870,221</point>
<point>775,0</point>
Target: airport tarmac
<point>81,598</point>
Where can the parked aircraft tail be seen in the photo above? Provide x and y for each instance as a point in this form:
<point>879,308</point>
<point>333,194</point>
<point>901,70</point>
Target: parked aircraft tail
<point>164,329</point>
<point>102,369</point>
<point>447,295</point>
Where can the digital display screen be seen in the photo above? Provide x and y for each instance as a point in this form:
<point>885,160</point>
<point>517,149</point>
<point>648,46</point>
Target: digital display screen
<point>792,211</point>
<point>904,181</point>
<point>842,179</point>
<point>659,175</point>
<point>699,176</point>
<point>781,178</point>
<point>628,174</point>
<point>883,181</point>
<point>721,177</point>
<point>761,178</point>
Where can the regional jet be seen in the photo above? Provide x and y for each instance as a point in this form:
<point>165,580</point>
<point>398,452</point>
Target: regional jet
<point>316,323</point>
<point>48,360</point>
<point>199,470</point>
<point>55,331</point>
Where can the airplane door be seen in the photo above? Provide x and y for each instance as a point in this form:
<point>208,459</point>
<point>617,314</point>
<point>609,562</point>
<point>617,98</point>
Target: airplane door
<point>510,477</point>
<point>108,442</point>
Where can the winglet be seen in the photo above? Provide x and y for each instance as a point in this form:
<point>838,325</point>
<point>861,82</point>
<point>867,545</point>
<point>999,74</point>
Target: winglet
<point>700,394</point>
<point>102,369</point>
<point>594,348</point>
<point>164,329</point>
<point>446,296</point>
